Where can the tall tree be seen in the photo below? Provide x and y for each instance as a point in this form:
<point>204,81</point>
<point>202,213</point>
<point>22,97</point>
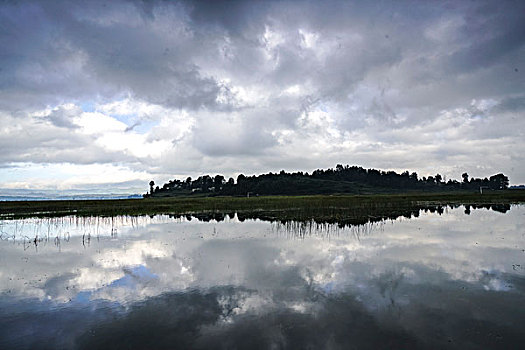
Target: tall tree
<point>218,181</point>
<point>151,184</point>
<point>499,182</point>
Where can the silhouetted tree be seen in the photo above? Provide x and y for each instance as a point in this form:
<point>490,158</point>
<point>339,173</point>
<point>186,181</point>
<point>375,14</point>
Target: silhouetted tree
<point>341,179</point>
<point>240,179</point>
<point>218,181</point>
<point>151,184</point>
<point>498,182</point>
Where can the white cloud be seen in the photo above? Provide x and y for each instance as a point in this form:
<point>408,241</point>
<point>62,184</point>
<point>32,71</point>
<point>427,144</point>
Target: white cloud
<point>69,176</point>
<point>183,89</point>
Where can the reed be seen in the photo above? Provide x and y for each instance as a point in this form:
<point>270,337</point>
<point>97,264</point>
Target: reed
<point>333,206</point>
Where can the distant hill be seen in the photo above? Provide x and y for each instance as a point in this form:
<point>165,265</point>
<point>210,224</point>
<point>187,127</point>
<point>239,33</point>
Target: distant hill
<point>339,180</point>
<point>45,195</point>
<point>68,198</point>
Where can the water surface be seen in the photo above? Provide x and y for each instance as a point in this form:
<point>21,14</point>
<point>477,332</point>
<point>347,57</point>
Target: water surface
<point>442,279</point>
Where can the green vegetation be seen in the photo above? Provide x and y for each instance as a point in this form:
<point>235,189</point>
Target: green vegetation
<point>340,180</point>
<point>279,206</point>
<point>343,195</point>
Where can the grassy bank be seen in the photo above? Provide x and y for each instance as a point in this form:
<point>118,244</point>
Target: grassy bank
<point>305,204</point>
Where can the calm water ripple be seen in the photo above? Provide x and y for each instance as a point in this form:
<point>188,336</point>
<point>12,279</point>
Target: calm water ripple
<point>442,279</point>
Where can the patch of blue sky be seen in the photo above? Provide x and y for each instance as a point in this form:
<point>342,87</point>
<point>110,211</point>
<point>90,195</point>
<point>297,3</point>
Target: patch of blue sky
<point>87,106</point>
<point>134,122</point>
<point>128,119</point>
<point>145,126</point>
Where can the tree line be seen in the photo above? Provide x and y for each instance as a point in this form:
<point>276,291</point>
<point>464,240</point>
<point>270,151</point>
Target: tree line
<point>341,179</point>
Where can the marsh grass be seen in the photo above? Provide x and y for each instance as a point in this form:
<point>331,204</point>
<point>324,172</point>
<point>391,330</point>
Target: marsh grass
<point>336,208</point>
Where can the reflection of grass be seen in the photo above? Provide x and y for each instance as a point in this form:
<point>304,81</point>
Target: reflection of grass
<point>330,206</point>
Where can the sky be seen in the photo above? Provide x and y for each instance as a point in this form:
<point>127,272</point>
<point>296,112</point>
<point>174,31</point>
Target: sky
<point>104,96</point>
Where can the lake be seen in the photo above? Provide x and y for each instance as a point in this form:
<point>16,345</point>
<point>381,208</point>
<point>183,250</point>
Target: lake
<point>447,278</point>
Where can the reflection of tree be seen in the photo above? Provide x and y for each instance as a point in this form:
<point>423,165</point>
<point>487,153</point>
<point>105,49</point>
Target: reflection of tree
<point>346,217</point>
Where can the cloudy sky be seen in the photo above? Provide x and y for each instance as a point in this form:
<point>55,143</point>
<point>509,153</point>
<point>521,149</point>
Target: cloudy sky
<point>107,95</point>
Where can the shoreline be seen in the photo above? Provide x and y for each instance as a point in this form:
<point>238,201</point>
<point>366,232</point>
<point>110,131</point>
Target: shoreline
<point>311,204</point>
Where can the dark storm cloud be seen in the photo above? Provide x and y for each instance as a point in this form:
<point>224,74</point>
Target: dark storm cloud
<point>311,83</point>
<point>60,51</point>
<point>512,104</point>
<point>233,16</point>
<point>494,31</point>
<point>153,49</point>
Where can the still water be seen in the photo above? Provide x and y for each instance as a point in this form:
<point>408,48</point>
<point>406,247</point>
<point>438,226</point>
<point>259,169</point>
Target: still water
<point>439,280</point>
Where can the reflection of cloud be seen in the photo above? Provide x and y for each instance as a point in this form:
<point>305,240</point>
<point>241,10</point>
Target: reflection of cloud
<point>227,256</point>
<point>136,254</point>
<point>225,280</point>
<point>246,277</point>
<point>94,278</point>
